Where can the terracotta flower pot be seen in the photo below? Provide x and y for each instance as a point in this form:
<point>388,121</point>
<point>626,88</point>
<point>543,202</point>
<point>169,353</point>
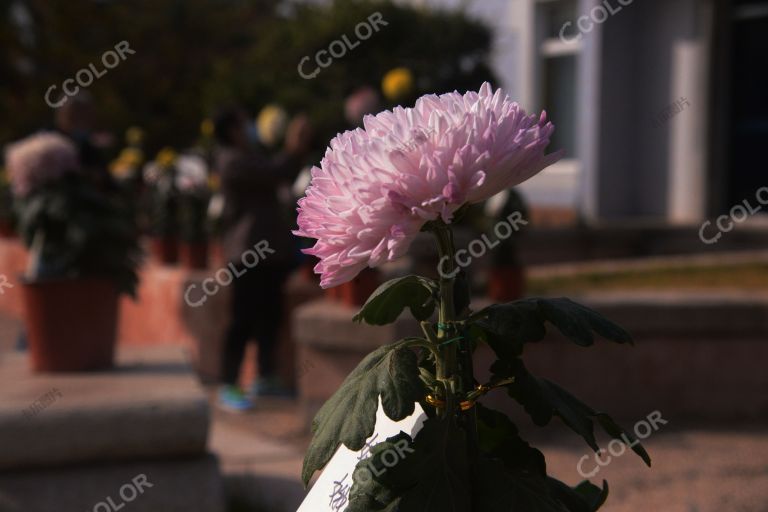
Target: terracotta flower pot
<point>307,272</point>
<point>71,324</point>
<point>217,253</point>
<point>164,249</point>
<point>506,284</point>
<point>334,294</point>
<point>194,255</point>
<point>355,292</point>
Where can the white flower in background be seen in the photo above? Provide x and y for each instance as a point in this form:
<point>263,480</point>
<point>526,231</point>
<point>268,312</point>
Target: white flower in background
<point>191,173</point>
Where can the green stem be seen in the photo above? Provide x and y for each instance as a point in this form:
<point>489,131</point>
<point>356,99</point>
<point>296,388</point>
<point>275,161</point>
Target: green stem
<point>447,363</point>
<point>454,367</point>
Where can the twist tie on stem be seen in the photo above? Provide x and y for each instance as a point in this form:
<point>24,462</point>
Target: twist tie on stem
<point>480,390</point>
<point>450,341</point>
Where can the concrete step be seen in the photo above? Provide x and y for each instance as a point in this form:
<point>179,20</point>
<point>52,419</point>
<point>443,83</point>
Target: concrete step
<point>183,485</point>
<point>149,407</point>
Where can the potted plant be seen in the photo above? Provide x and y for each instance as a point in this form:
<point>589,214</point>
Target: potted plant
<point>194,195</point>
<point>126,168</point>
<point>162,199</point>
<point>366,204</point>
<point>83,255</point>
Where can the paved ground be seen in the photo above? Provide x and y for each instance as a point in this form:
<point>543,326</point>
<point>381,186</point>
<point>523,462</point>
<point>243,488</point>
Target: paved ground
<point>695,469</point>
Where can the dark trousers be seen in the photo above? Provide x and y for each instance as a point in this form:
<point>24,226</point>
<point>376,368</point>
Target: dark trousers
<point>256,311</point>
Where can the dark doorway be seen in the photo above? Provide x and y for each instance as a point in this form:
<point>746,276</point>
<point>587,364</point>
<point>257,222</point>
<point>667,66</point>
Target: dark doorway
<point>747,165</point>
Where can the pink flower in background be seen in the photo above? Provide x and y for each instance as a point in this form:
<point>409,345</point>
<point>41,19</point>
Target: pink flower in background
<point>38,160</point>
<point>375,188</point>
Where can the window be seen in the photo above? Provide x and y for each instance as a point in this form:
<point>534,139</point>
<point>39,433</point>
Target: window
<point>557,69</point>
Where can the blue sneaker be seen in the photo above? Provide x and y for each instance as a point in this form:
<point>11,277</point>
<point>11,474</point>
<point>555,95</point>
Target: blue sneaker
<point>271,386</point>
<point>231,398</point>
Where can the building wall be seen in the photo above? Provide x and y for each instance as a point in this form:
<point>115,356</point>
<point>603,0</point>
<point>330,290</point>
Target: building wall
<point>653,54</point>
<point>631,67</point>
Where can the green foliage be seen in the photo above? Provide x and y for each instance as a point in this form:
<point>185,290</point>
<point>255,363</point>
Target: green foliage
<point>434,475</point>
<point>349,417</point>
<point>508,327</point>
<point>84,232</point>
<point>468,458</point>
<point>543,399</point>
<point>391,298</point>
<point>178,45</point>
<point>449,53</point>
<point>194,55</point>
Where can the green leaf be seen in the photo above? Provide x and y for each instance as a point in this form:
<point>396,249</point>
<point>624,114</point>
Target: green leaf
<point>616,432</point>
<point>499,437</point>
<point>440,468</point>
<point>523,479</point>
<point>543,399</point>
<point>499,490</point>
<point>592,494</point>
<point>432,477</point>
<point>586,497</point>
<point>349,416</point>
<point>509,327</point>
<point>368,493</point>
<point>391,298</point>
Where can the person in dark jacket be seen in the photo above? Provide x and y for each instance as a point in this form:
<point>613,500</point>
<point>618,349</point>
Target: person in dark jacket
<point>257,240</point>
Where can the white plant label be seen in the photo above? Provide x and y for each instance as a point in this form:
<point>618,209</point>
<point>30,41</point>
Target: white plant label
<point>331,490</point>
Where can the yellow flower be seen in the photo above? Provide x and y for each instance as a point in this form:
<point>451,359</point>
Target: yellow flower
<point>120,169</point>
<point>271,124</point>
<point>214,182</point>
<point>127,162</point>
<point>166,157</point>
<point>206,128</point>
<point>397,84</point>
<point>132,156</point>
<point>134,136</point>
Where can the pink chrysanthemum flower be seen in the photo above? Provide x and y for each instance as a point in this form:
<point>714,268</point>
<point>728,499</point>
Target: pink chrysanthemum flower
<point>38,160</point>
<point>376,187</point>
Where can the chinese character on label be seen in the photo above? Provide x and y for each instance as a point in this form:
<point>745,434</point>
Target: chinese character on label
<point>339,494</point>
<point>366,451</point>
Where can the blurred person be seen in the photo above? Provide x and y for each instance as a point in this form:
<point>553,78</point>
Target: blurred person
<point>252,218</point>
<point>75,119</point>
